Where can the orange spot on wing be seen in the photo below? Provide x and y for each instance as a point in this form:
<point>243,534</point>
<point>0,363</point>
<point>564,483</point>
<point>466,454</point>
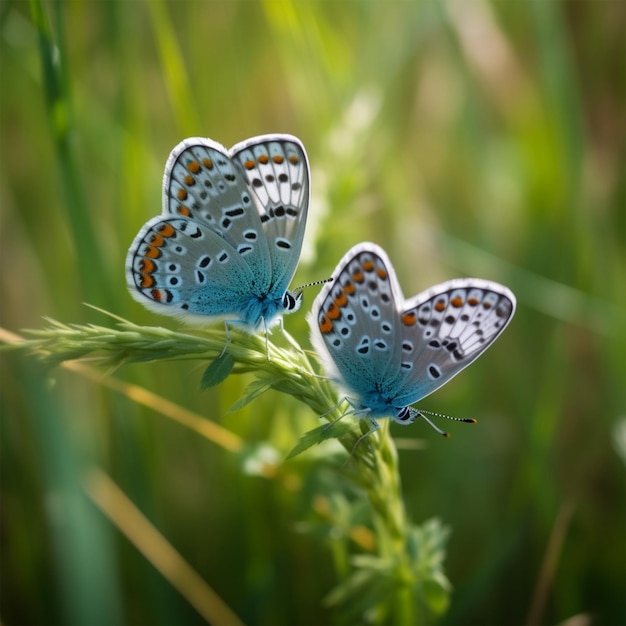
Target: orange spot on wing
<point>147,266</point>
<point>341,300</point>
<point>208,163</point>
<point>278,159</point>
<point>152,252</point>
<point>156,295</point>
<point>381,273</point>
<point>193,167</point>
<point>263,159</point>
<point>183,210</point>
<point>157,241</point>
<point>189,180</point>
<point>440,306</point>
<point>349,288</point>
<point>333,312</point>
<point>146,281</point>
<point>487,305</point>
<point>325,325</point>
<point>409,319</point>
<point>167,230</point>
<point>456,302</point>
<point>249,164</point>
<point>182,194</point>
<point>358,277</point>
<point>473,301</point>
<point>293,159</point>
<point>368,266</point>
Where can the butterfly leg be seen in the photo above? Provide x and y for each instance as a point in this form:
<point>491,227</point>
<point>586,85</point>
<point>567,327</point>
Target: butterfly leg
<point>267,341</point>
<point>289,338</point>
<point>236,322</point>
<point>374,426</point>
<point>227,333</point>
<point>334,408</point>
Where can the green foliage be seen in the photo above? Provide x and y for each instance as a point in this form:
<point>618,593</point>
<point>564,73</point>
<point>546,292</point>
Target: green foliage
<point>402,581</point>
<point>477,138</point>
<point>316,436</point>
<point>217,372</point>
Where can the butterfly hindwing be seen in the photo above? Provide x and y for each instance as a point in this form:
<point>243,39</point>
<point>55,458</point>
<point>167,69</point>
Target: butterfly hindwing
<point>355,318</point>
<point>173,273</point>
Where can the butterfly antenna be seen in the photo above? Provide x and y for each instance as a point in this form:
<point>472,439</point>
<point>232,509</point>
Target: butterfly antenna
<point>423,413</point>
<point>317,282</point>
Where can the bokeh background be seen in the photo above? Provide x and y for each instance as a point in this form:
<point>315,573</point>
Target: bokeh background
<point>468,138</point>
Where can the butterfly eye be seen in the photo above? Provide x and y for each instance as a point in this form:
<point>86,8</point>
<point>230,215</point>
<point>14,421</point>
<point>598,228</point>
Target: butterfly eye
<point>406,415</point>
<point>291,302</point>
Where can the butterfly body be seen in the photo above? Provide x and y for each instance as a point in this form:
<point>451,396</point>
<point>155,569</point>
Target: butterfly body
<point>229,238</point>
<point>386,352</point>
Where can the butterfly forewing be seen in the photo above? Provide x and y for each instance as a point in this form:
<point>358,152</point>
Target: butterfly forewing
<point>276,169</point>
<point>446,329</point>
<point>203,183</point>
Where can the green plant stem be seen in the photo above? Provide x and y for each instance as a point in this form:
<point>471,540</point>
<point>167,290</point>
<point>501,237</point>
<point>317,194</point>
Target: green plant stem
<point>373,457</point>
<point>384,491</point>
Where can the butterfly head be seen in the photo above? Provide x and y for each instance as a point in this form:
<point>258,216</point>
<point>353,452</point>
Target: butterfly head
<point>292,301</point>
<point>406,415</point>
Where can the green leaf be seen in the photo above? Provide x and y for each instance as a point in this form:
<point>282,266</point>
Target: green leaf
<point>426,546</point>
<point>217,371</point>
<point>357,585</point>
<point>363,596</point>
<point>255,389</point>
<point>334,430</point>
<point>435,593</point>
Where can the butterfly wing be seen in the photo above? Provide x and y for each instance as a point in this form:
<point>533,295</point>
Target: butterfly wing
<point>277,171</point>
<point>179,267</point>
<point>230,236</point>
<point>353,323</point>
<point>445,329</point>
<point>203,183</point>
<point>390,353</point>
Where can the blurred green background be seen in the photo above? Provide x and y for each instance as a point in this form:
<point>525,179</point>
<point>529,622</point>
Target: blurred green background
<point>468,138</point>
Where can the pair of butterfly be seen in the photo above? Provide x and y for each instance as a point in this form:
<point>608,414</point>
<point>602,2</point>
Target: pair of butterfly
<point>228,243</point>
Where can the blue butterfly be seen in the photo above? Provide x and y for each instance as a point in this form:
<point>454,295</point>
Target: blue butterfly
<point>229,238</point>
<point>386,352</point>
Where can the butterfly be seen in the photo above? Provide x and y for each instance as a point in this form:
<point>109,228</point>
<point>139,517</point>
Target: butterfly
<point>228,240</point>
<point>386,352</point>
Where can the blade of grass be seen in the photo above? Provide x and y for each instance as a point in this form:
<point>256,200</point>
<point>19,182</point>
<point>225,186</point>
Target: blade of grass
<point>94,272</point>
<point>176,78</point>
<point>211,431</point>
<point>131,522</point>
